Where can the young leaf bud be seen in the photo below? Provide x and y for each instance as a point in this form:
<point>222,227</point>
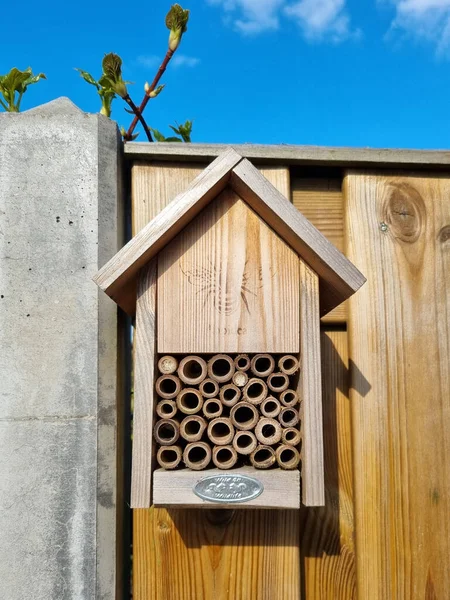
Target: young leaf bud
<point>176,21</point>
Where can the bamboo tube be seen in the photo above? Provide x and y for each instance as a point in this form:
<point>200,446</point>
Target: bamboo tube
<point>244,416</point>
<point>209,388</point>
<point>270,407</point>
<point>240,378</point>
<point>221,368</point>
<point>166,409</point>
<point>263,457</point>
<point>287,457</point>
<point>244,442</point>
<point>166,432</point>
<point>288,364</point>
<point>192,428</point>
<point>288,417</point>
<point>197,455</point>
<point>255,391</point>
<point>230,394</point>
<point>192,370</point>
<point>278,382</point>
<point>291,436</point>
<point>169,457</point>
<point>289,398</point>
<point>224,457</point>
<point>262,365</point>
<point>268,431</point>
<point>189,401</point>
<point>167,365</point>
<point>242,362</point>
<point>168,386</point>
<point>221,431</point>
<point>212,408</point>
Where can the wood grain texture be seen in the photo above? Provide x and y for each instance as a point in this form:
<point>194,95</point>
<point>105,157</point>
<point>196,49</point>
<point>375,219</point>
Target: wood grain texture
<point>310,390</point>
<point>228,283</point>
<point>286,154</point>
<point>155,185</point>
<point>144,378</point>
<point>281,488</point>
<point>327,539</point>
<point>398,234</point>
<point>320,200</point>
<point>339,278</point>
<point>191,554</point>
<point>117,277</point>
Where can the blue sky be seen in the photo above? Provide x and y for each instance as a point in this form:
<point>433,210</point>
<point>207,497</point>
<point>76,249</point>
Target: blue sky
<point>328,72</point>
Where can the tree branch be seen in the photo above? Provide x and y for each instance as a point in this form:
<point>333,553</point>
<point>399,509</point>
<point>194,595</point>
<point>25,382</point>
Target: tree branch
<point>146,98</point>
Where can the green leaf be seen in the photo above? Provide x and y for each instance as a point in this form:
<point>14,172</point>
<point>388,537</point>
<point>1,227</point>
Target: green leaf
<point>16,81</point>
<point>158,135</point>
<point>15,78</point>
<point>88,77</point>
<point>105,83</point>
<point>172,139</point>
<point>34,79</point>
<point>112,67</point>
<point>177,18</point>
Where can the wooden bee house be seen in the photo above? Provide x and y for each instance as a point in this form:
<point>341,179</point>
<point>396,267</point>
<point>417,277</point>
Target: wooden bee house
<point>228,284</point>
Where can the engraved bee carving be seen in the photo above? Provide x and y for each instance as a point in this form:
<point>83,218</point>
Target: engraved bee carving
<point>214,285</point>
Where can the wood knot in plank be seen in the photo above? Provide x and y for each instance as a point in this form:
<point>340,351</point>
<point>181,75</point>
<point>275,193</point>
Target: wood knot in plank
<point>444,235</point>
<point>404,211</point>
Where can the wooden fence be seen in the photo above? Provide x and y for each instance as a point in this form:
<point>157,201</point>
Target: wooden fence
<point>384,532</point>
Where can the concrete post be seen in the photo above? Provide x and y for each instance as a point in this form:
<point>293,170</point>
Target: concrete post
<point>60,220</point>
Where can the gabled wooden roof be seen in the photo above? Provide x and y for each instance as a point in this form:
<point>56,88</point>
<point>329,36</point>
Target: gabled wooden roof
<point>339,278</point>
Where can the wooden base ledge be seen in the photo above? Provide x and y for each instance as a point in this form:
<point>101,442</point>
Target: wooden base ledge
<point>175,488</point>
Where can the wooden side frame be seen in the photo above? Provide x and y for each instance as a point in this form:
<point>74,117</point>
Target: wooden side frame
<point>144,380</point>
<point>310,390</point>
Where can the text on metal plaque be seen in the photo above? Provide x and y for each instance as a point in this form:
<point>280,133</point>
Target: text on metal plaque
<point>228,488</point>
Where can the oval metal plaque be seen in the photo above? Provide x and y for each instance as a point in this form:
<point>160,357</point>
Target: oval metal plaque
<point>228,488</point>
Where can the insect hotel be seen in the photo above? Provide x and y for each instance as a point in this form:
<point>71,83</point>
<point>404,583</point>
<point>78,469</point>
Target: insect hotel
<point>228,284</point>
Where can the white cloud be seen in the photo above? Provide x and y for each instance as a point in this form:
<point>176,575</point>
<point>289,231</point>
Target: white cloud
<point>424,19</point>
<point>148,61</point>
<point>322,19</point>
<point>255,16</point>
<point>318,19</point>
<point>181,60</point>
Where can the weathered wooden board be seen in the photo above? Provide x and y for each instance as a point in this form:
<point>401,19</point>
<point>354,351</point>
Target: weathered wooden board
<point>280,488</point>
<point>327,533</point>
<point>191,554</point>
<point>310,390</point>
<point>320,200</point>
<point>398,233</point>
<point>228,283</point>
<point>144,381</point>
<point>286,154</point>
<point>155,185</point>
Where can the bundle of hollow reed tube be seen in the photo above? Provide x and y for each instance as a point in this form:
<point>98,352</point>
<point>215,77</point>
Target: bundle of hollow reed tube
<point>227,411</point>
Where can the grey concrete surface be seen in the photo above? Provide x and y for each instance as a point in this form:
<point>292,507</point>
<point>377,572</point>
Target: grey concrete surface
<point>60,220</point>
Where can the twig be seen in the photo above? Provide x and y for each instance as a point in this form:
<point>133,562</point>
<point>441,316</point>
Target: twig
<point>138,115</point>
<point>146,98</point>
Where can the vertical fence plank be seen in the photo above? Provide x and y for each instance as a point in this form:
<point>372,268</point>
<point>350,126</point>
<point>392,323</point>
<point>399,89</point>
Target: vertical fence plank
<point>198,554</point>
<point>327,547</point>
<point>398,236</point>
